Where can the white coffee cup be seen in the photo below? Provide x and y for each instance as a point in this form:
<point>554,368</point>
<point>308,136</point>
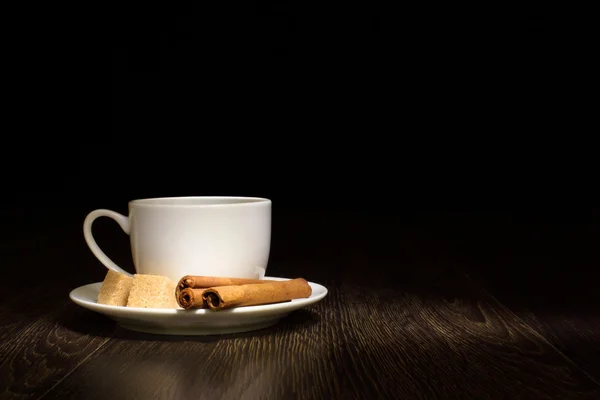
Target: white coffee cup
<point>178,236</point>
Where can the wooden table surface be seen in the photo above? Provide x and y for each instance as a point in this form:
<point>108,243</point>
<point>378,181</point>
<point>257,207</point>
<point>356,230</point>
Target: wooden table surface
<point>444,306</point>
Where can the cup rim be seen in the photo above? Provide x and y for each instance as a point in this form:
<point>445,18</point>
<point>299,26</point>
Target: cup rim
<point>158,201</point>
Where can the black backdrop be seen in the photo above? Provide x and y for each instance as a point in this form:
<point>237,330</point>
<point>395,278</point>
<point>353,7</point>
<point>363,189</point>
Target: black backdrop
<point>351,109</point>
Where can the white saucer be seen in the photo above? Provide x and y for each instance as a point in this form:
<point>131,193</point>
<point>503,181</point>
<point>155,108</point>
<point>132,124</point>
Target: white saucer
<point>194,322</point>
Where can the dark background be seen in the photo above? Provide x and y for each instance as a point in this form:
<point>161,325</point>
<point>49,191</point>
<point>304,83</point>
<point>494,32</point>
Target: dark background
<point>409,114</point>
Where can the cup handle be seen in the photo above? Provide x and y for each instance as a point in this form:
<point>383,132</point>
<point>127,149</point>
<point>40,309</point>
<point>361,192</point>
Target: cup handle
<point>122,220</point>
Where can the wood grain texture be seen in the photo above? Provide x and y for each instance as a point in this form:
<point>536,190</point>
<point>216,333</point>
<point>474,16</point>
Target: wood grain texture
<point>402,320</point>
<point>43,336</point>
<point>430,335</point>
<point>37,352</point>
<point>576,333</point>
<point>548,276</point>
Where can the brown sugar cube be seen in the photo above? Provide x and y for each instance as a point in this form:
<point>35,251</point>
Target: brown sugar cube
<point>115,289</point>
<point>152,291</point>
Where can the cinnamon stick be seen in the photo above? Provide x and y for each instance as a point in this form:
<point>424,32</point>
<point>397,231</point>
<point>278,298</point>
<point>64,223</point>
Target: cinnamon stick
<point>191,298</point>
<point>218,298</point>
<point>203,282</point>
